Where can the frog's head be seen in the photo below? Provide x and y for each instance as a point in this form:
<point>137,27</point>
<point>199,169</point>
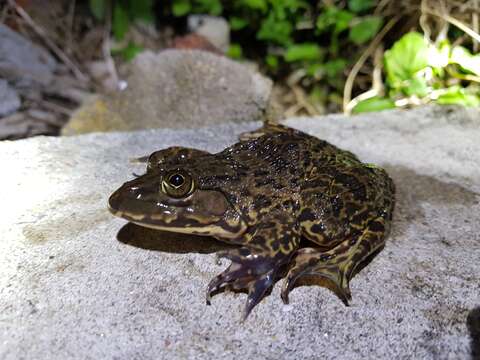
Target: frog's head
<point>171,200</point>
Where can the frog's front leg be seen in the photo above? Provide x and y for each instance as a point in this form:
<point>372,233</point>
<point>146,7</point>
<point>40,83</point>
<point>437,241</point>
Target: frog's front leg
<point>338,264</point>
<point>266,248</point>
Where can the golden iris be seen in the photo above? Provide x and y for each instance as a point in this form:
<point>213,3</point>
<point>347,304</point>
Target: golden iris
<point>177,184</point>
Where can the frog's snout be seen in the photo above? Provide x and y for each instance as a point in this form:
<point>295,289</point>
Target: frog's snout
<point>113,203</point>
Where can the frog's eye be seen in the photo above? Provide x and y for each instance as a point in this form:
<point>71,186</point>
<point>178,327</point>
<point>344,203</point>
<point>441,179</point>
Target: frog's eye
<point>177,184</point>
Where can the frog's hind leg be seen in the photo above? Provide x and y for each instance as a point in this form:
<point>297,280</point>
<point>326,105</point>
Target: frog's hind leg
<point>338,264</point>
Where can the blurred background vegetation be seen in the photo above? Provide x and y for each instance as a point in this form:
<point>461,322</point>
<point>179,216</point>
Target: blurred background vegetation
<point>325,56</point>
<point>347,55</point>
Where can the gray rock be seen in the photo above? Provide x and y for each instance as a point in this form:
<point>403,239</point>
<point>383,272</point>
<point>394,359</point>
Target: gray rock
<point>215,29</point>
<point>9,100</point>
<point>22,62</point>
<point>25,124</point>
<point>178,89</point>
<point>70,289</point>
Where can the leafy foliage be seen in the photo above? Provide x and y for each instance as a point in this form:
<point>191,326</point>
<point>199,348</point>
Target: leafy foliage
<point>420,72</point>
<point>287,32</point>
<point>316,42</point>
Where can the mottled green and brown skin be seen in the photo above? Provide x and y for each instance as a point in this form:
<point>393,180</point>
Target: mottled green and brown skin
<point>265,194</point>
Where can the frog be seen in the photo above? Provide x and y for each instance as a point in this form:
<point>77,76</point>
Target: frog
<point>294,206</point>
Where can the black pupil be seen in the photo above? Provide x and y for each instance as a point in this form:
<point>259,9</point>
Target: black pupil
<point>177,180</point>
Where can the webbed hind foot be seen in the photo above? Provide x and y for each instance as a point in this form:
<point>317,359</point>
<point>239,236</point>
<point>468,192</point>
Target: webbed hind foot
<point>339,264</point>
<point>311,262</point>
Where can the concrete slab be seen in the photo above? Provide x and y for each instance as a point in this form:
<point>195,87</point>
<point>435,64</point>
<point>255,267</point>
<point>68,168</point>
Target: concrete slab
<point>77,283</point>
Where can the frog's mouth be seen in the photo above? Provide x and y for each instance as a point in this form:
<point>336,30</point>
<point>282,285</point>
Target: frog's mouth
<point>204,212</point>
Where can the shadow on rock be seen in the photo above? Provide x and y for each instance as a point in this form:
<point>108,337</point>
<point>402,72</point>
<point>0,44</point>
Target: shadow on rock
<point>170,242</point>
<point>413,190</point>
<point>473,325</point>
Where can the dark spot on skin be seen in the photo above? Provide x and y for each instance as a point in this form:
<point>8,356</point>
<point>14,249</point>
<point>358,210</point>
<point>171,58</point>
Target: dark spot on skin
<point>262,182</point>
<point>347,181</point>
<point>261,202</point>
<point>275,245</point>
<point>376,226</point>
<point>279,164</point>
<point>325,257</point>
<point>260,173</point>
<point>291,147</point>
<point>277,186</point>
<point>360,194</point>
<point>306,215</point>
<point>222,177</point>
<point>337,206</point>
<point>318,228</point>
<point>267,225</point>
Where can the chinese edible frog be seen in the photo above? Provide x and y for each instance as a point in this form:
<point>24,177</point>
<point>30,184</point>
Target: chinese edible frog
<point>266,194</point>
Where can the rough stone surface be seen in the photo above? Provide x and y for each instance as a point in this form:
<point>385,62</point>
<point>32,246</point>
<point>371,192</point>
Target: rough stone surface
<point>22,62</point>
<point>77,283</point>
<point>9,100</point>
<point>177,89</point>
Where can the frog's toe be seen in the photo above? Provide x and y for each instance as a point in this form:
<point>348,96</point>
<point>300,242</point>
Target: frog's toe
<point>249,273</point>
<point>314,263</point>
<point>256,291</point>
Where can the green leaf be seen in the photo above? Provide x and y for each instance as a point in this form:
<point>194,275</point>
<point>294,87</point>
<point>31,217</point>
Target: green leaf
<point>181,7</point>
<point>360,5</point>
<point>235,51</point>
<point>334,67</point>
<point>315,70</point>
<point>305,51</point>
<point>417,86</point>
<point>365,30</point>
<point>277,31</point>
<point>373,104</point>
<point>458,96</point>
<point>212,7</point>
<point>256,4</point>
<point>333,17</point>
<point>130,51</point>
<point>408,56</point>
<point>120,22</point>
<point>343,20</point>
<point>271,61</point>
<point>466,60</point>
<point>237,23</point>
<point>98,8</point>
<point>141,9</point>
